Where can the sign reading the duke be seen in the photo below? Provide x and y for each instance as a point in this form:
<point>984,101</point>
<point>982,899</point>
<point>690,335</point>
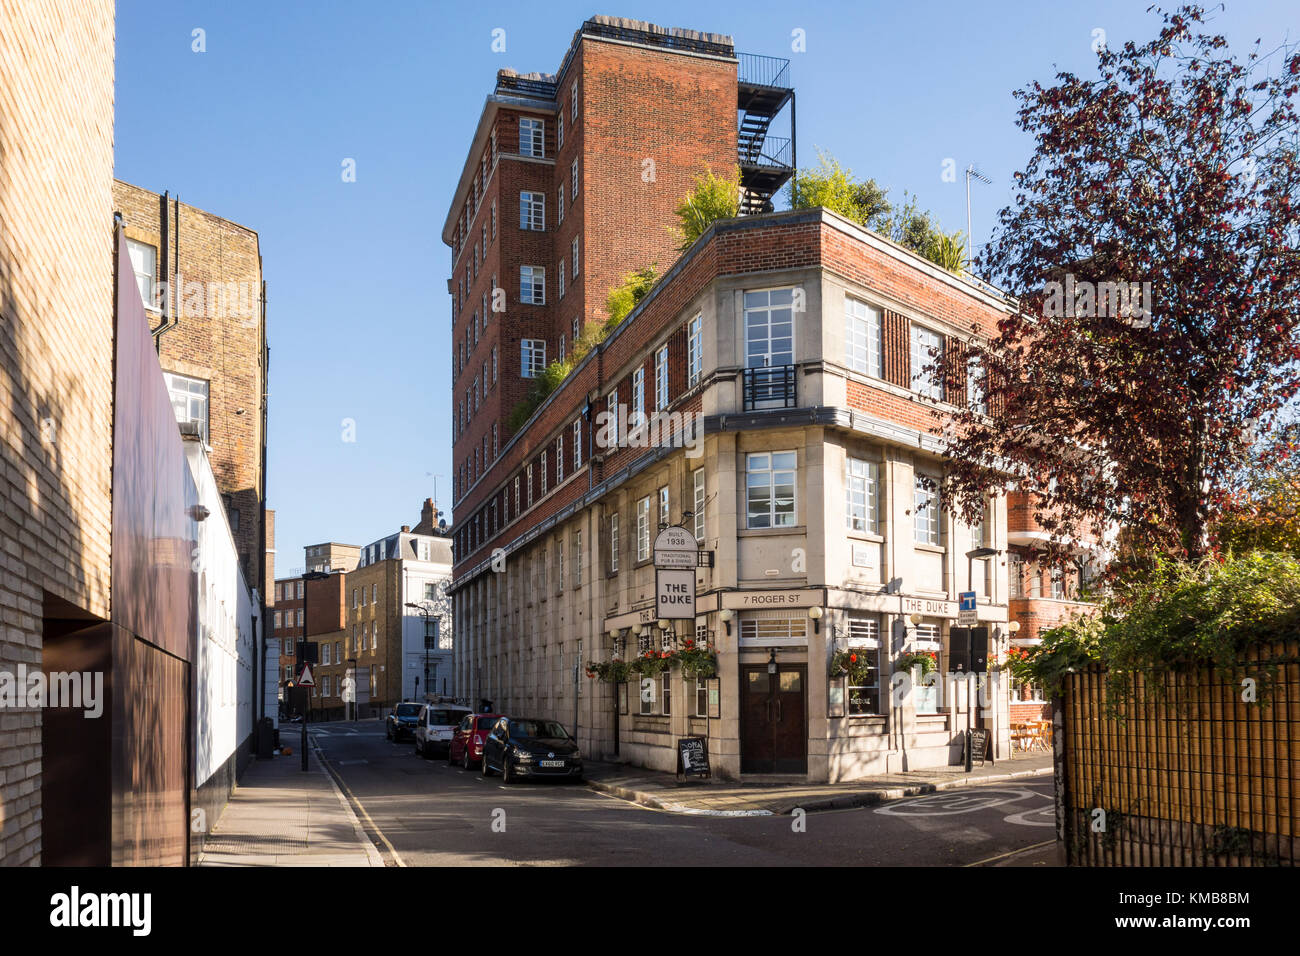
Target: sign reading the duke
<point>675,593</point>
<point>675,548</point>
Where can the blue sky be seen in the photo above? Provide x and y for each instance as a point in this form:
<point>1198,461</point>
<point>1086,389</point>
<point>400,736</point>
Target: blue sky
<point>256,129</point>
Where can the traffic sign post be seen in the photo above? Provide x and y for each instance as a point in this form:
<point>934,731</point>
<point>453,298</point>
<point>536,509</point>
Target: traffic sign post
<point>967,615</point>
<point>306,681</point>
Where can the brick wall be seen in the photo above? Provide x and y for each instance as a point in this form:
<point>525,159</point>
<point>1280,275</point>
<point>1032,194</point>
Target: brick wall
<point>223,345</point>
<point>56,354</point>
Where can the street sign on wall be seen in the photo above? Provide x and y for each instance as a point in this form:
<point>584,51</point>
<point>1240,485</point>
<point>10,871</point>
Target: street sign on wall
<point>675,593</point>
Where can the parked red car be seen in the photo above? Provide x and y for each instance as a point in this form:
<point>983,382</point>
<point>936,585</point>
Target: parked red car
<point>467,742</point>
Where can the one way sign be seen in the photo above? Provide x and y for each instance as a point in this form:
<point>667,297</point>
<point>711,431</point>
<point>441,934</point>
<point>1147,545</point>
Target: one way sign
<point>305,679</point>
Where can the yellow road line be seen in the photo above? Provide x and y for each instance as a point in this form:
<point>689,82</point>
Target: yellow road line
<point>338,778</point>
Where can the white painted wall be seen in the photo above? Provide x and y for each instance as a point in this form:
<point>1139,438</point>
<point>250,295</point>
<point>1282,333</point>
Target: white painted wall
<point>223,660</point>
<point>415,575</point>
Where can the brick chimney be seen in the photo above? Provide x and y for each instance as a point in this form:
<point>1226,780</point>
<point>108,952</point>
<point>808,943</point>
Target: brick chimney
<point>428,524</point>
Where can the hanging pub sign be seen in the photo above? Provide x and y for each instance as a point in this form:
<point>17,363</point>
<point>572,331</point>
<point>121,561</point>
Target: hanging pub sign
<point>675,547</point>
<point>675,593</point>
<point>693,757</point>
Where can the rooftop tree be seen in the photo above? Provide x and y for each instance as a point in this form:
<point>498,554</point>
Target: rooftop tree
<point>1176,166</point>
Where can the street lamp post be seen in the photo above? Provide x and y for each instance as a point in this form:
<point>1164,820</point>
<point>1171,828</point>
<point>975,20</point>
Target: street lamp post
<point>426,613</point>
<point>970,700</point>
<point>353,662</point>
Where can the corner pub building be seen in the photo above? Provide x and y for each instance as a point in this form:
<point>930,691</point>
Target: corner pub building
<point>796,342</point>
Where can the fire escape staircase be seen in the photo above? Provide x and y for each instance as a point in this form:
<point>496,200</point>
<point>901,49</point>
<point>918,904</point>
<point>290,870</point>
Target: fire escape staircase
<point>766,162</point>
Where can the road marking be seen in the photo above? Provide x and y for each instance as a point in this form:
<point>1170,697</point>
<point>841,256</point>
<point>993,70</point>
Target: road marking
<point>1003,856</point>
<point>1022,819</point>
<point>334,774</point>
<point>953,802</point>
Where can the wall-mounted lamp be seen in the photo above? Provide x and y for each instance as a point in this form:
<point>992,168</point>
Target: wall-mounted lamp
<point>661,624</point>
<point>1013,627</point>
<point>815,614</point>
<point>636,630</point>
<point>726,615</point>
<point>915,618</point>
<point>771,661</point>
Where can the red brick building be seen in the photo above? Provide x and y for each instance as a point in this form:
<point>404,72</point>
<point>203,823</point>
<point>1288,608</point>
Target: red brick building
<point>791,427</point>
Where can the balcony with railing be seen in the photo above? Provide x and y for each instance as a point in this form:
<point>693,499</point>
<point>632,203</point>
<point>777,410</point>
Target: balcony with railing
<point>770,386</point>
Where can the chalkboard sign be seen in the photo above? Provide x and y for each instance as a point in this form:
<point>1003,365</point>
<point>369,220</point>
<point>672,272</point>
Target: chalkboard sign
<point>693,757</point>
<point>979,744</point>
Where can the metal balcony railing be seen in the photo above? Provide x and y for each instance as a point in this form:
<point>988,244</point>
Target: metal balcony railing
<point>763,70</point>
<point>769,151</point>
<point>769,387</point>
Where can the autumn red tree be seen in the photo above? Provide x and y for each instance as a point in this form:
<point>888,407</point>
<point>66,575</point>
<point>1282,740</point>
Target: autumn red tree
<point>1176,166</point>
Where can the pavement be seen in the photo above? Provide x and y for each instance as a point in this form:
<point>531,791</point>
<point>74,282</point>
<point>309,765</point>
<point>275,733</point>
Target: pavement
<point>710,797</point>
<point>280,816</point>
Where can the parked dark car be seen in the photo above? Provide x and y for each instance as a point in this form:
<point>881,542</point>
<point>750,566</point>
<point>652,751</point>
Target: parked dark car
<point>467,742</point>
<point>530,748</point>
<point>401,722</point>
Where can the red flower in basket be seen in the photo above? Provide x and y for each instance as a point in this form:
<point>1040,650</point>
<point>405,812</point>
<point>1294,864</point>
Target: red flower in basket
<point>853,658</point>
<point>664,655</point>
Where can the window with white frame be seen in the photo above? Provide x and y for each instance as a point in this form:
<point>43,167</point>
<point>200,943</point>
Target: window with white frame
<point>861,485</point>
<point>494,363</point>
<point>559,204</point>
<point>927,350</point>
<point>1015,575</point>
<point>976,395</point>
<point>559,459</point>
<point>299,590</point>
<point>862,343</point>
<point>863,687</point>
<point>531,138</point>
<point>637,414</point>
<point>325,652</point>
<point>561,287</point>
<point>577,559</point>
<point>562,348</point>
<point>528,480</point>
<point>661,378</point>
<point>573,250</point>
<point>517,498</point>
<point>925,511</point>
<point>770,489</point>
<point>545,474</point>
<point>573,176</point>
<point>144,263</point>
<point>611,407</point>
<point>697,481</point>
<point>643,529</point>
<point>663,507</point>
<point>613,543</point>
<point>189,398</point>
<point>532,285</point>
<point>559,566</point>
<point>532,211</point>
<point>559,130</point>
<point>577,445</point>
<point>573,101</point>
<point>694,350</point>
<point>300,615</point>
<point>532,360</point>
<point>925,696</point>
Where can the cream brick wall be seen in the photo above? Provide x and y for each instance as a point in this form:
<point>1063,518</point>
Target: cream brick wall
<point>56,352</point>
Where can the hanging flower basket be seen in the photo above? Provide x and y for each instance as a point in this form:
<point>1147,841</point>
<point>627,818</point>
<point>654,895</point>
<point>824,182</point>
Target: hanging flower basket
<point>651,663</point>
<point>612,672</point>
<point>928,661</point>
<point>697,661</point>
<point>854,664</point>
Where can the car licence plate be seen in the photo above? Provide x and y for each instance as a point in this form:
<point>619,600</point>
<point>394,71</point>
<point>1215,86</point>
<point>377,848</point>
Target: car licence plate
<point>550,763</point>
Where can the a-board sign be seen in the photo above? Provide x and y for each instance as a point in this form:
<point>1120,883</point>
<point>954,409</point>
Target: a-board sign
<point>693,757</point>
<point>979,744</point>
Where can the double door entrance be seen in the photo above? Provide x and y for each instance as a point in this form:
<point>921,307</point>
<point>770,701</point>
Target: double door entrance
<point>773,719</point>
